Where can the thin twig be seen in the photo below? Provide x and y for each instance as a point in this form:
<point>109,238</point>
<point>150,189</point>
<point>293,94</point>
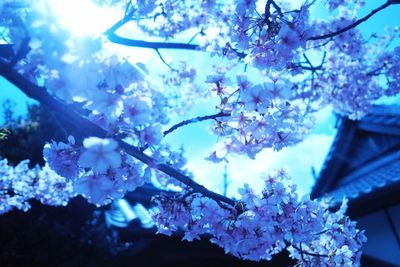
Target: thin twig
<point>277,8</point>
<point>163,60</point>
<point>355,24</point>
<point>197,119</point>
<point>309,253</point>
<point>319,45</point>
<point>301,252</point>
<point>201,32</point>
<point>226,180</point>
<point>311,67</point>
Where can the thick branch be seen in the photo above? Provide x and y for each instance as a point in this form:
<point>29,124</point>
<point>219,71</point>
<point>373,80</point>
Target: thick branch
<point>6,51</point>
<point>356,23</point>
<point>88,128</point>
<point>113,37</point>
<point>144,44</point>
<point>22,51</point>
<point>197,119</point>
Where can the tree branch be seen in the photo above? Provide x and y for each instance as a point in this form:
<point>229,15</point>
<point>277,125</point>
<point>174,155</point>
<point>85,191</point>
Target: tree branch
<point>144,44</point>
<point>6,51</point>
<point>277,8</point>
<point>311,67</point>
<point>201,32</point>
<point>163,60</point>
<point>309,253</point>
<point>88,128</point>
<point>22,52</point>
<point>197,119</point>
<point>114,38</point>
<point>356,23</point>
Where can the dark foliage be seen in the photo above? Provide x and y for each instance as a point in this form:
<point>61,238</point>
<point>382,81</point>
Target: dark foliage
<point>24,138</point>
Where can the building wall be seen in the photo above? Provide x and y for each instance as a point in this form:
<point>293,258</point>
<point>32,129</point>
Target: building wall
<point>382,243</point>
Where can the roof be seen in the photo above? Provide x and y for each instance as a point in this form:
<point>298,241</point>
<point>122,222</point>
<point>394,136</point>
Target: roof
<point>135,210</point>
<point>364,157</point>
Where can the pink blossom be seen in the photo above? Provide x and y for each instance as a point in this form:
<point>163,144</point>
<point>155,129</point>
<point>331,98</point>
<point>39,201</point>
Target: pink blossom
<point>96,188</point>
<point>100,155</point>
<point>136,112</point>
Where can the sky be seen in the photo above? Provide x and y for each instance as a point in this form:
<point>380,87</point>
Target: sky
<point>196,138</point>
<point>21,101</point>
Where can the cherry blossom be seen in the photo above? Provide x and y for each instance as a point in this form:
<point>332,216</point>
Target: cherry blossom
<point>96,187</point>
<point>151,135</point>
<point>261,226</point>
<point>100,155</point>
<point>136,111</point>
<point>255,98</point>
<point>20,184</point>
<point>272,68</point>
<point>63,158</point>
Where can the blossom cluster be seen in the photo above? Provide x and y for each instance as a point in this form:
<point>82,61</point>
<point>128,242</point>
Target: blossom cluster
<point>345,88</point>
<point>335,4</point>
<point>261,225</point>
<point>20,184</point>
<point>99,171</point>
<point>391,71</point>
<point>168,18</point>
<point>273,40</point>
<point>261,116</point>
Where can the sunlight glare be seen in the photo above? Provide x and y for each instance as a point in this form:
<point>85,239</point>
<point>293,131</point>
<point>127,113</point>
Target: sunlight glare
<point>83,17</point>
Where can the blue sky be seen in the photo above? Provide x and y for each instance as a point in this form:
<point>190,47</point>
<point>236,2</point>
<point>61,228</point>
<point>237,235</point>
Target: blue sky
<point>8,91</point>
<point>198,141</point>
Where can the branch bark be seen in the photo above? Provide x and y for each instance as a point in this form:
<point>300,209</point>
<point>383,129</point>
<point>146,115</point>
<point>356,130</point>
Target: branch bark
<point>88,128</point>
<point>197,119</point>
<point>114,38</point>
<point>6,51</point>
